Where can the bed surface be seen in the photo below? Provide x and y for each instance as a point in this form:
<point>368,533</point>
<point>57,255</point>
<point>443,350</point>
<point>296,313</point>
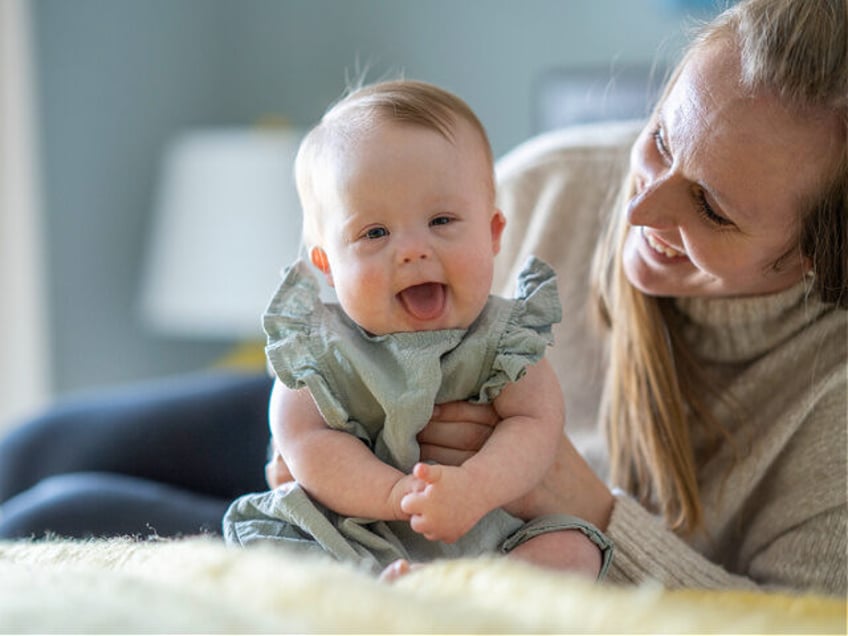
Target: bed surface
<point>199,585</point>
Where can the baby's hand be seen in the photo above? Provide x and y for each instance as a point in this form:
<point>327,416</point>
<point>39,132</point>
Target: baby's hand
<point>445,504</point>
<point>403,486</point>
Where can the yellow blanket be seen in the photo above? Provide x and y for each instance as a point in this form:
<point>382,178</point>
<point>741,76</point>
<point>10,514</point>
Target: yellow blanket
<point>200,585</point>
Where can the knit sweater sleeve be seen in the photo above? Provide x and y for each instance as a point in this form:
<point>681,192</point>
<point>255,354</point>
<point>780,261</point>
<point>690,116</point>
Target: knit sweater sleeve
<point>794,530</point>
<point>645,550</point>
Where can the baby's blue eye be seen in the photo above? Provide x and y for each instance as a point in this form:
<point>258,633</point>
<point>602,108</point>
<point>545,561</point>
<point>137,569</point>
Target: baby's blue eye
<point>376,233</point>
<point>440,220</point>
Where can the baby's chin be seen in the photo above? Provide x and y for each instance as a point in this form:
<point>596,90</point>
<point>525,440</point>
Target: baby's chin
<point>407,324</point>
<point>398,319</point>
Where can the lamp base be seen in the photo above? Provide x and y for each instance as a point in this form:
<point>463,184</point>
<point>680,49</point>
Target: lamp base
<point>248,356</point>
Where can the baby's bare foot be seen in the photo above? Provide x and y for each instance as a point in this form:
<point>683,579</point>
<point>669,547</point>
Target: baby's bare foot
<point>396,570</point>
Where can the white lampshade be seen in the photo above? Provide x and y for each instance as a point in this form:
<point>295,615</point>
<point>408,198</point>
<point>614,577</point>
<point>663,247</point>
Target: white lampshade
<point>226,220</point>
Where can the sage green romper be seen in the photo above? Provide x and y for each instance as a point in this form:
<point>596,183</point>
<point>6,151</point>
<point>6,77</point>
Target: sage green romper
<point>382,390</point>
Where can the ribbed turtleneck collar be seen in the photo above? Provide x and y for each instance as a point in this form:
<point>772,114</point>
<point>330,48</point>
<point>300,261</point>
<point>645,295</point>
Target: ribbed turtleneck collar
<point>743,328</point>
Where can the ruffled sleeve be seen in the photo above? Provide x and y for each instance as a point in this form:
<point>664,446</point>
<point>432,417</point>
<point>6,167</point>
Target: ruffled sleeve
<point>296,322</point>
<point>527,332</point>
<point>289,320</point>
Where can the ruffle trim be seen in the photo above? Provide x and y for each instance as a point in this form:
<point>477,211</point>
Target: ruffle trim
<point>295,345</point>
<point>527,332</point>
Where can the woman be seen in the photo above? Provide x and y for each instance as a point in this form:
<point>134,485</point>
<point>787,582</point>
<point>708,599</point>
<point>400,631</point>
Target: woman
<point>721,282</point>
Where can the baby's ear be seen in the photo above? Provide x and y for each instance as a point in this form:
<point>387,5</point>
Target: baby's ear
<point>498,223</point>
<point>319,259</point>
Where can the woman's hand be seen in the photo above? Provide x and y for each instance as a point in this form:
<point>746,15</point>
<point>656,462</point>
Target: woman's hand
<point>456,431</point>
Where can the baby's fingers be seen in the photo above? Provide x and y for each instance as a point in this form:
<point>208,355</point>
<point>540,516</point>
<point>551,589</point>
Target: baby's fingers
<point>422,526</point>
<point>427,473</point>
<point>412,503</point>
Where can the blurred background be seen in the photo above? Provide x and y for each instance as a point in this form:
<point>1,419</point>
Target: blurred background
<point>113,111</point>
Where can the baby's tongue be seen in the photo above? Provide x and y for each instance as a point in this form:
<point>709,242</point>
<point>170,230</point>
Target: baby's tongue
<point>424,302</point>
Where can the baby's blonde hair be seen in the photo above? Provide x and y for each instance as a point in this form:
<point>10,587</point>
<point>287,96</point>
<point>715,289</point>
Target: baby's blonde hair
<point>409,102</point>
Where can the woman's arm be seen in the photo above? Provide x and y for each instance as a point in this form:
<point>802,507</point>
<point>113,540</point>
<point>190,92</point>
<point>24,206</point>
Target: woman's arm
<point>455,433</point>
<point>645,548</point>
<point>571,487</point>
<point>513,459</point>
<point>334,467</point>
<point>791,531</point>
<point>459,429</point>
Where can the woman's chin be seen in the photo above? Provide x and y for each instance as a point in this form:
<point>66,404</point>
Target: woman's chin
<point>645,278</point>
<point>654,278</point>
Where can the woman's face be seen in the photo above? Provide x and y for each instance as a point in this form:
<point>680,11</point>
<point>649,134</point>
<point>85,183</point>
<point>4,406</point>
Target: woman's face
<point>720,180</point>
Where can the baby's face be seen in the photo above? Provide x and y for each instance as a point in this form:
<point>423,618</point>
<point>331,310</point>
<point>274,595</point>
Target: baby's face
<point>410,230</point>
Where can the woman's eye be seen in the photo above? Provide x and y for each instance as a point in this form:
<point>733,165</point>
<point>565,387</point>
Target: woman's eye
<point>659,142</point>
<point>375,233</point>
<point>441,220</point>
<point>707,211</point>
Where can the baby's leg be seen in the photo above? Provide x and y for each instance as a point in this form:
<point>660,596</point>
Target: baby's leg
<point>564,550</point>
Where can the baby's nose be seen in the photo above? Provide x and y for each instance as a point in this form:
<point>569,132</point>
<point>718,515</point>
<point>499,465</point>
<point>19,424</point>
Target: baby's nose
<point>408,258</point>
<point>413,249</point>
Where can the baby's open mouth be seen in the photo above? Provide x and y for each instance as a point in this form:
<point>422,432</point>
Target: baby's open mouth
<point>425,301</point>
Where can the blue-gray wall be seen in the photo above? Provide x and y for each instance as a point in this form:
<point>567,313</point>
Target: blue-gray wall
<point>117,78</point>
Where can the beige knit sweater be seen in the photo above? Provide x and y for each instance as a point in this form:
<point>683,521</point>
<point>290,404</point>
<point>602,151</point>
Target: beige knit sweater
<point>775,505</point>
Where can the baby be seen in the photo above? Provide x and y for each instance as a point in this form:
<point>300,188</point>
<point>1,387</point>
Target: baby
<point>397,188</point>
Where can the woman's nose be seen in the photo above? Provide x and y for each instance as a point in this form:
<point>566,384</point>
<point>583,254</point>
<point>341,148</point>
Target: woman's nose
<point>655,201</point>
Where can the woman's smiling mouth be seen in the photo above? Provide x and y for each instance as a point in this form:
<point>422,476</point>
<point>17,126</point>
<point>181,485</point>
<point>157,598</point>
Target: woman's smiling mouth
<point>660,247</point>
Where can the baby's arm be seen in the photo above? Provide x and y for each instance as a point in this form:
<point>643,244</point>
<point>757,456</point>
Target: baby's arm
<point>521,449</point>
<point>334,467</point>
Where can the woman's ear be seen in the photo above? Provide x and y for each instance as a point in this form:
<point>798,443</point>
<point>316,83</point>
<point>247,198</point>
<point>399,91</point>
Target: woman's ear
<point>319,259</point>
<point>498,223</point>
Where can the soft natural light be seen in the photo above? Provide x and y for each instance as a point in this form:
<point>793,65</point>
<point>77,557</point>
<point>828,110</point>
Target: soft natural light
<point>23,363</point>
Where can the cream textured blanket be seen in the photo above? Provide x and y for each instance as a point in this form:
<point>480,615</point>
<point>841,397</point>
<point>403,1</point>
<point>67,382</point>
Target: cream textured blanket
<point>198,585</point>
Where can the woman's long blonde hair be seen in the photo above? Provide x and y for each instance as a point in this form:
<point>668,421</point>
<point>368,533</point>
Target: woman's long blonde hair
<point>654,390</point>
